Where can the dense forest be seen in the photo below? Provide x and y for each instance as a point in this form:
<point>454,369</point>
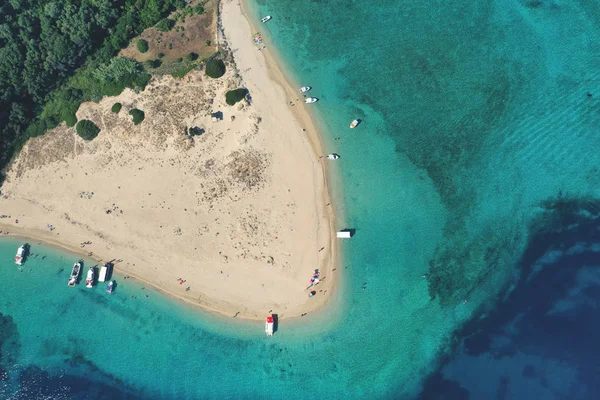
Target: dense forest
<point>56,54</point>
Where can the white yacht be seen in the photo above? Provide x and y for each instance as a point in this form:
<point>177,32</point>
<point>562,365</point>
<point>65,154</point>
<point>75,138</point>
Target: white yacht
<point>269,325</point>
<point>305,89</point>
<point>265,19</point>
<point>333,156</point>
<point>310,100</point>
<point>355,123</point>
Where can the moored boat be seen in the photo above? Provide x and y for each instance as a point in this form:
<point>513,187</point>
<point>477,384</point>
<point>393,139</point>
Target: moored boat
<point>305,89</point>
<point>333,156</point>
<point>89,280</point>
<point>75,274</point>
<point>269,325</point>
<point>104,272</point>
<point>21,254</point>
<point>355,123</point>
<point>110,286</point>
<point>265,19</point>
<point>310,100</point>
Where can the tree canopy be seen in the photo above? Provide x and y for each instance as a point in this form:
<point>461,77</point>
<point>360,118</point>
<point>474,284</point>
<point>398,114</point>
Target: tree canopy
<point>138,116</point>
<point>233,96</point>
<point>215,68</point>
<point>87,129</point>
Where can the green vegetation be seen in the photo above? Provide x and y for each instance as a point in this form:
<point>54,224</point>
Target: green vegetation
<point>160,55</point>
<point>152,63</point>
<point>233,96</point>
<point>138,116</point>
<point>188,12</point>
<point>208,43</point>
<point>165,25</point>
<point>142,45</point>
<point>116,108</point>
<point>191,57</point>
<point>215,68</point>
<point>87,129</point>
<point>49,52</point>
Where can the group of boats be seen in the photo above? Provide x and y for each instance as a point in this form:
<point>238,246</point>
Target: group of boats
<point>90,279</point>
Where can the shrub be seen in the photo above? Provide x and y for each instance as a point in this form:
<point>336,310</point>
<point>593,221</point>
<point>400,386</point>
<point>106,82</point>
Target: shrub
<point>191,57</point>
<point>208,43</point>
<point>152,63</point>
<point>233,96</point>
<point>87,129</point>
<point>215,68</point>
<point>165,25</point>
<point>138,116</point>
<point>142,46</point>
<point>199,9</point>
<point>116,108</point>
<point>160,55</point>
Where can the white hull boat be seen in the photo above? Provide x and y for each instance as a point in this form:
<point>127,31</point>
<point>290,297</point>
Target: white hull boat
<point>269,325</point>
<point>265,19</point>
<point>21,254</point>
<point>89,280</point>
<point>354,123</point>
<point>310,100</point>
<point>110,287</point>
<point>305,89</point>
<point>333,156</point>
<point>75,274</point>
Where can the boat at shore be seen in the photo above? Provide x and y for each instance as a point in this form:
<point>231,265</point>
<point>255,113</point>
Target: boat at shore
<point>269,325</point>
<point>333,156</point>
<point>89,280</point>
<point>22,253</point>
<point>110,286</point>
<point>104,272</point>
<point>305,89</point>
<point>354,123</point>
<point>74,278</point>
<point>265,19</point>
<point>310,100</point>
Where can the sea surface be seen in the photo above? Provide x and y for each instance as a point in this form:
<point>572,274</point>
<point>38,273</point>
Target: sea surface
<point>473,184</point>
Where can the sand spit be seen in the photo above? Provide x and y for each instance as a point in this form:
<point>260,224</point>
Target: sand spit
<point>238,212</point>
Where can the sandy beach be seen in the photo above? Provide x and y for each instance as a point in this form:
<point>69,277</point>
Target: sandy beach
<point>234,220</point>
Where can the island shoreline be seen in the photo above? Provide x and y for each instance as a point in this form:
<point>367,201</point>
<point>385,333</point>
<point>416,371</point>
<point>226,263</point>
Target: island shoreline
<point>207,303</point>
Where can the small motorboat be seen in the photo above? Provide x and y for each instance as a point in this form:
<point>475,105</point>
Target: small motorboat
<point>269,325</point>
<point>355,123</point>
<point>305,89</point>
<point>22,253</point>
<point>75,274</point>
<point>333,156</point>
<point>110,287</point>
<point>89,280</point>
<point>265,19</point>
<point>310,100</point>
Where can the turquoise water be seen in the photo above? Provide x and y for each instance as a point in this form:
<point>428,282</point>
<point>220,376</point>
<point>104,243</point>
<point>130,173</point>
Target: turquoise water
<point>480,132</point>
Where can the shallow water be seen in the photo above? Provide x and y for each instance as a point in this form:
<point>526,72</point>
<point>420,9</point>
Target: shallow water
<point>476,115</point>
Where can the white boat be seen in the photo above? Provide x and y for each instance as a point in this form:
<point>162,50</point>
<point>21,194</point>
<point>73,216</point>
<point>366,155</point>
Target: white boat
<point>310,100</point>
<point>89,280</point>
<point>75,274</point>
<point>265,19</point>
<point>333,156</point>
<point>269,325</point>
<point>21,254</point>
<point>355,123</point>
<point>104,272</point>
<point>110,287</point>
<point>305,89</point>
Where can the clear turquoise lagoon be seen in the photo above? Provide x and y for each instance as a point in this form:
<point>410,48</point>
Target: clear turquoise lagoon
<point>477,165</point>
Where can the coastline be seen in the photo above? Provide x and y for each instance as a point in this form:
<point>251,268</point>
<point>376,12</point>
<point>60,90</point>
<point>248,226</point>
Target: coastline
<point>277,74</point>
<point>330,257</point>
